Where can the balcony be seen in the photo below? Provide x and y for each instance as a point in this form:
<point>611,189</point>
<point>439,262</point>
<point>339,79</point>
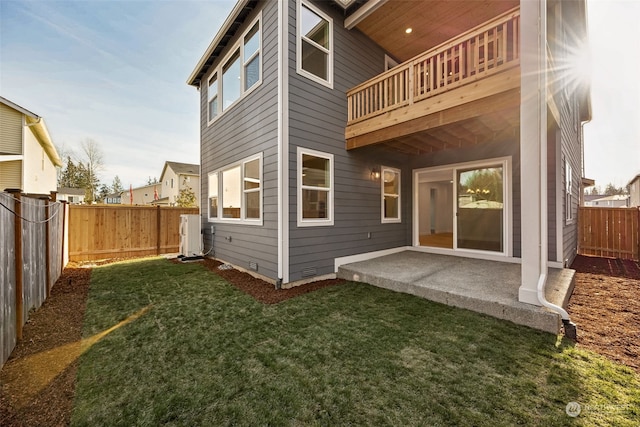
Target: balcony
<point>463,91</point>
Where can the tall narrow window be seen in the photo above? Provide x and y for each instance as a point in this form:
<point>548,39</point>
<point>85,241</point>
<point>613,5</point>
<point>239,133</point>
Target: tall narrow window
<point>568,191</point>
<point>252,189</point>
<point>251,56</point>
<point>315,188</point>
<point>315,40</point>
<point>213,195</point>
<point>231,81</point>
<point>213,97</point>
<point>390,195</point>
<point>231,193</point>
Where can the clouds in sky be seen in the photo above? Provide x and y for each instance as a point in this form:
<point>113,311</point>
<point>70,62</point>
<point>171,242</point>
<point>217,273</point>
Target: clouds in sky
<point>112,71</point>
<point>115,71</point>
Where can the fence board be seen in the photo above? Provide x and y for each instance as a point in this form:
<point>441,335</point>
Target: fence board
<point>33,223</point>
<point>100,232</point>
<point>609,232</point>
<point>7,278</point>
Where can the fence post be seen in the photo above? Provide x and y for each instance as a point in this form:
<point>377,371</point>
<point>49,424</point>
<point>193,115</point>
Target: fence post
<point>158,228</point>
<point>63,206</point>
<point>16,193</point>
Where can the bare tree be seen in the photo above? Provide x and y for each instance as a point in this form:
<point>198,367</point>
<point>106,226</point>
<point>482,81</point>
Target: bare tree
<point>94,163</point>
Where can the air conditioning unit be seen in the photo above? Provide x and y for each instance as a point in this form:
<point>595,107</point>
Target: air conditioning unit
<point>190,236</point>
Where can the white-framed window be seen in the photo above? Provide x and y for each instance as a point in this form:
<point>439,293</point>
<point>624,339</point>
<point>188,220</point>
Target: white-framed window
<point>568,191</point>
<point>390,184</point>
<point>213,195</point>
<point>212,103</point>
<point>314,44</point>
<point>235,192</point>
<point>238,74</point>
<point>315,188</point>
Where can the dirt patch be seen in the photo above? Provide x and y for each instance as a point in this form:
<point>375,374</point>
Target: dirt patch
<point>604,304</point>
<point>46,352</point>
<point>606,307</point>
<point>261,290</point>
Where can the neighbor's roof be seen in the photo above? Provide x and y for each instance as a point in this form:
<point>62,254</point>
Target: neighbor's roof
<point>633,179</point>
<point>39,129</point>
<point>228,29</point>
<point>71,191</point>
<point>181,169</point>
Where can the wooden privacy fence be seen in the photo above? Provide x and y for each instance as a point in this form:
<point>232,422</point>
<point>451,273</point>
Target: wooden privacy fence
<point>32,257</point>
<point>101,232</point>
<point>609,232</point>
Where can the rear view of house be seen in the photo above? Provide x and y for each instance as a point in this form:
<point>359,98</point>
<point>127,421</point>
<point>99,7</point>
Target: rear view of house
<point>28,158</point>
<point>336,130</point>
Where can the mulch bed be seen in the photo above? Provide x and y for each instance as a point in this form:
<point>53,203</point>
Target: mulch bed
<point>604,305</point>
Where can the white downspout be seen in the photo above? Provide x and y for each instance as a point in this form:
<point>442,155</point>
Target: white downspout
<point>570,328</point>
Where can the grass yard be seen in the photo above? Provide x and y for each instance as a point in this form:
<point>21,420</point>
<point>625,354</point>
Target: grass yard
<point>204,353</point>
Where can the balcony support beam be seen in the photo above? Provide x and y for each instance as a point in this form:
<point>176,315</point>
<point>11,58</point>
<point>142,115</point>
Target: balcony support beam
<point>394,126</point>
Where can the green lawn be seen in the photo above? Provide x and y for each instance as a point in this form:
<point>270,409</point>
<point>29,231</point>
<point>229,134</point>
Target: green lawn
<point>207,354</point>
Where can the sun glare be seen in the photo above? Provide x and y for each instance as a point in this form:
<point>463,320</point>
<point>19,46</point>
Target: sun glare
<point>573,72</point>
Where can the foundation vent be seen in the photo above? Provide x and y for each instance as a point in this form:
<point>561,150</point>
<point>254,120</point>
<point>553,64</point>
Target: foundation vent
<point>253,266</point>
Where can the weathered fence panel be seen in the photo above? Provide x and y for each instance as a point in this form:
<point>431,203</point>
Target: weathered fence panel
<point>30,261</point>
<point>609,232</point>
<point>7,278</point>
<point>101,232</point>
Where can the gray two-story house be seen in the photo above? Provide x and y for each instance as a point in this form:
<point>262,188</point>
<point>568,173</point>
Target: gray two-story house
<point>345,129</point>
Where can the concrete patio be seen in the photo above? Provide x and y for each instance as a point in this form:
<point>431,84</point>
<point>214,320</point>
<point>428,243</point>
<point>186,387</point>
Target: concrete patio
<point>487,287</point>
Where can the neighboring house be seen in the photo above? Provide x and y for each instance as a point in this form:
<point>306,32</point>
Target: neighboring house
<point>615,201</point>
<point>114,198</point>
<point>316,147</point>
<point>144,195</point>
<point>73,196</point>
<point>178,176</point>
<point>634,191</point>
<point>28,158</point>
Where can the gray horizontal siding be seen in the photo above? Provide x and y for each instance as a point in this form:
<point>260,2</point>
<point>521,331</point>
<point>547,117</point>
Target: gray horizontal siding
<point>249,127</point>
<point>317,121</point>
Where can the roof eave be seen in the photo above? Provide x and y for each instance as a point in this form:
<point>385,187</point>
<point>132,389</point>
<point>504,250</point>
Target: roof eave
<point>41,133</point>
<point>235,12</point>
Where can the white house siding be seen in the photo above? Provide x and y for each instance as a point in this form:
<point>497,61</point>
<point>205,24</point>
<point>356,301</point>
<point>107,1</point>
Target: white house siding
<point>250,127</point>
<point>39,174</point>
<point>170,185</point>
<point>317,121</point>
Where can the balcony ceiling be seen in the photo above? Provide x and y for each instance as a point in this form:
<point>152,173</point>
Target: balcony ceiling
<point>432,21</point>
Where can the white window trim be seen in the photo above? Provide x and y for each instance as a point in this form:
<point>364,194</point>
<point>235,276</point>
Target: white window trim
<point>315,222</point>
<point>209,218</point>
<point>242,219</point>
<point>328,83</point>
<point>568,189</point>
<point>238,46</point>
<point>383,194</point>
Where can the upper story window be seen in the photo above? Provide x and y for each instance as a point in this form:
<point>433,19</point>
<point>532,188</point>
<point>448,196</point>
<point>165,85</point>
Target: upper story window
<point>315,188</point>
<point>235,192</point>
<point>213,97</point>
<point>315,44</point>
<point>240,72</point>
<point>390,183</point>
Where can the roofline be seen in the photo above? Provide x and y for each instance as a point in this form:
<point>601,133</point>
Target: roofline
<point>633,179</point>
<point>39,129</point>
<point>15,106</point>
<point>235,12</point>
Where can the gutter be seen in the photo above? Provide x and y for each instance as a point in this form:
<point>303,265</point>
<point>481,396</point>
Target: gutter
<point>39,129</point>
<point>570,329</point>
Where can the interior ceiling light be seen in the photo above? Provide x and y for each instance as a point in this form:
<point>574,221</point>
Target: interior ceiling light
<point>408,30</point>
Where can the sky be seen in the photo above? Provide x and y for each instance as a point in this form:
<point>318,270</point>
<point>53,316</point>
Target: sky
<point>115,72</point>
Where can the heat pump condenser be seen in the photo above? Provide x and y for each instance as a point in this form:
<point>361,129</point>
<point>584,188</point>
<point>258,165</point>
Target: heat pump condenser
<point>190,235</point>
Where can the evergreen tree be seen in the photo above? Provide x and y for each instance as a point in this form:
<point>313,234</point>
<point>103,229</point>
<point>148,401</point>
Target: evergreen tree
<point>116,186</point>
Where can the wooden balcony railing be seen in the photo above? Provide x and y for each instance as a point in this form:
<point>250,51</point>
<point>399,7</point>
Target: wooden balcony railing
<point>485,50</point>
